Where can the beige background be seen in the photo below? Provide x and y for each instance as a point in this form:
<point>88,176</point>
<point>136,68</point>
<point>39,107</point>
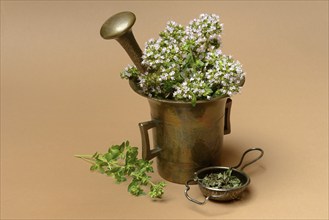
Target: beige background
<point>61,95</point>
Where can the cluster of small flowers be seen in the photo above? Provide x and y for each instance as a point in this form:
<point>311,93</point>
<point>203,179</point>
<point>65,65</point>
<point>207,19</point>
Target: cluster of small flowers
<point>187,63</point>
<point>161,53</point>
<point>205,33</point>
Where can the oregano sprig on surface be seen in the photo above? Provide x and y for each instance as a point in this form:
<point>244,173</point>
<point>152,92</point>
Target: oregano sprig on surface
<point>121,162</point>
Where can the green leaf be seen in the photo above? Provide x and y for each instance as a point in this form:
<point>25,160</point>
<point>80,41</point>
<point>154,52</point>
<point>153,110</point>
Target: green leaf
<point>95,155</point>
<point>108,157</point>
<point>199,63</point>
<point>157,190</point>
<point>131,155</point>
<point>94,167</point>
<point>119,177</point>
<point>135,189</point>
<point>207,92</point>
<point>115,152</point>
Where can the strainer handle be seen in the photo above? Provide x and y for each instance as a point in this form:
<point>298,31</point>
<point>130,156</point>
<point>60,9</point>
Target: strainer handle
<point>253,161</point>
<point>189,197</point>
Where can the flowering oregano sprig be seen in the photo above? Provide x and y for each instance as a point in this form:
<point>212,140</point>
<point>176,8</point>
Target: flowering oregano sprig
<point>186,63</point>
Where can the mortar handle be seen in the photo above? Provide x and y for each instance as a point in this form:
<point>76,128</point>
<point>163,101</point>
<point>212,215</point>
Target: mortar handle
<point>227,121</point>
<point>253,161</point>
<point>147,152</point>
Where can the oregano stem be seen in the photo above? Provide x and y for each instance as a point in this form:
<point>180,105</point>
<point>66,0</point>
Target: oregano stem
<point>87,158</point>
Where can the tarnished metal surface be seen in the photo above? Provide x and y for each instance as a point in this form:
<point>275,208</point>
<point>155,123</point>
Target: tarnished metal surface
<point>186,138</point>
<point>118,27</point>
<point>190,137</point>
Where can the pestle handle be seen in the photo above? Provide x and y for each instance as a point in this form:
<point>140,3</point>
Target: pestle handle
<point>119,27</point>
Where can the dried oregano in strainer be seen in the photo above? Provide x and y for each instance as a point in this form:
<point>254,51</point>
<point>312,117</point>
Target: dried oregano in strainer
<point>223,180</point>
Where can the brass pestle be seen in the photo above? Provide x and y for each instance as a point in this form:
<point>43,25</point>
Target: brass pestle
<point>118,27</point>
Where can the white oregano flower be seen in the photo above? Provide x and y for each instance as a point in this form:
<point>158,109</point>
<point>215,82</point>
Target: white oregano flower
<point>187,63</point>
